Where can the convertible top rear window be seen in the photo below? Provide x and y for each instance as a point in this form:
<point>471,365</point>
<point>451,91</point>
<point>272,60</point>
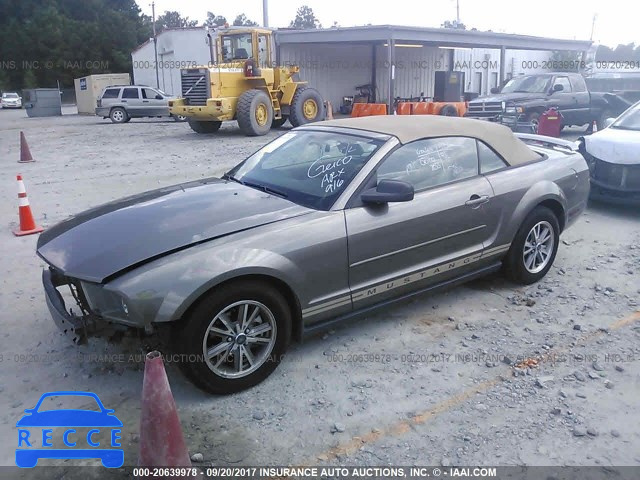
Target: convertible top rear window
<point>308,167</point>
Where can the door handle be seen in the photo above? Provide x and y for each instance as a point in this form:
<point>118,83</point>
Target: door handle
<point>145,101</point>
<point>476,200</point>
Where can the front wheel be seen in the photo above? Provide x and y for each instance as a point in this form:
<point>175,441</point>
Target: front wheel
<point>179,118</point>
<point>534,248</point>
<point>204,127</point>
<point>534,120</point>
<point>235,337</point>
<point>306,107</point>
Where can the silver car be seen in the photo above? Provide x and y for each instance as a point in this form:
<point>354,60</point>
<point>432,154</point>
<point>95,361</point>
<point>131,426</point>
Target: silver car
<point>121,103</point>
<point>324,223</point>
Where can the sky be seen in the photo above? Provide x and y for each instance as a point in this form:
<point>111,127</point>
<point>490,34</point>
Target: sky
<point>617,21</point>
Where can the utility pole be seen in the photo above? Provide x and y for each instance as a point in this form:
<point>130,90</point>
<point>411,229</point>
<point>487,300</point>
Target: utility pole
<point>265,13</point>
<point>155,42</point>
<point>593,25</point>
<point>458,12</point>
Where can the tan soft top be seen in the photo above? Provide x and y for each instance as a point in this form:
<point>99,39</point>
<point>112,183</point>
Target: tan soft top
<point>408,128</point>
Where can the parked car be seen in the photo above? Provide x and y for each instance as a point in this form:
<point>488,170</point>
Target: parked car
<point>521,101</point>
<point>11,100</point>
<point>326,222</point>
<point>121,103</point>
<point>613,158</point>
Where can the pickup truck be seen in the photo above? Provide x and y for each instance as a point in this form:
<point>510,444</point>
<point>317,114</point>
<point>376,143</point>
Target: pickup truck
<point>521,101</point>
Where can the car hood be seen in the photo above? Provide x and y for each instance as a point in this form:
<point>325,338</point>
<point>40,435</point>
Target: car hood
<point>105,240</point>
<point>510,97</point>
<point>614,145</point>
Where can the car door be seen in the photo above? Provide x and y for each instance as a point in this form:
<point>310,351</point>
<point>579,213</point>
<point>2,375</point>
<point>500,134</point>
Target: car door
<point>395,248</point>
<point>131,101</point>
<point>582,98</point>
<point>564,99</point>
<point>154,103</point>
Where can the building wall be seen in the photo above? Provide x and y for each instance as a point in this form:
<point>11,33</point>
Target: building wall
<point>176,49</point>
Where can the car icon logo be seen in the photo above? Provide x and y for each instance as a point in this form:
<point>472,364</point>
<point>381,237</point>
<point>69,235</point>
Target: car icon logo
<point>97,422</point>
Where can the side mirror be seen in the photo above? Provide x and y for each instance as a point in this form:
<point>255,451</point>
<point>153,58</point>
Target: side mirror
<point>608,122</point>
<point>494,90</point>
<point>159,97</point>
<point>388,191</point>
<point>557,88</point>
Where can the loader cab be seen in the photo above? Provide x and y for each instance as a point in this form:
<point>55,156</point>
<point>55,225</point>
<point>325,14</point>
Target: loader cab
<point>239,45</point>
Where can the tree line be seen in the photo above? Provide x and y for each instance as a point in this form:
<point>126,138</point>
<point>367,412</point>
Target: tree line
<point>44,43</point>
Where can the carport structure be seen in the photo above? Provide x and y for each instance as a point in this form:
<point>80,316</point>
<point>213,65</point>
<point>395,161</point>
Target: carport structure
<point>401,60</point>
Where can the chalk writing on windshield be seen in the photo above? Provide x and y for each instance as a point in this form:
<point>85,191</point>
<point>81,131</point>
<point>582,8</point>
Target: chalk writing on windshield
<point>329,170</point>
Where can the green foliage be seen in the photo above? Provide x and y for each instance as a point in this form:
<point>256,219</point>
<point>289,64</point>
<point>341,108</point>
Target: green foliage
<point>242,20</point>
<point>45,41</point>
<point>173,19</point>
<point>454,24</point>
<point>622,53</point>
<point>564,61</point>
<point>215,20</point>
<point>305,19</point>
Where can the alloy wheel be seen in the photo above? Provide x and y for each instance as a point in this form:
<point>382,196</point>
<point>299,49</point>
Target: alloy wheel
<point>538,247</point>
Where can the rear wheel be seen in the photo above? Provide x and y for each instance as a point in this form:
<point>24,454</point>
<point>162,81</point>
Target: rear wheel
<point>449,111</point>
<point>306,107</point>
<point>254,112</point>
<point>534,248</point>
<point>199,126</point>
<point>118,115</point>
<point>235,337</point>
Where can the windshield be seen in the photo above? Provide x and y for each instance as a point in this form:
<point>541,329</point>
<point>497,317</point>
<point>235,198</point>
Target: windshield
<point>527,84</point>
<point>10,95</point>
<point>236,47</point>
<point>629,120</point>
<point>309,168</point>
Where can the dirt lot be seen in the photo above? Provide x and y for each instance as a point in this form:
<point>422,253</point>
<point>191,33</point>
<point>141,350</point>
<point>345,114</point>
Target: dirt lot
<point>439,386</point>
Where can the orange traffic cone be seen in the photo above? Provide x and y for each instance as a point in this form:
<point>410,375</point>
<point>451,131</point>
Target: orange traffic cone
<point>25,153</point>
<point>161,440</point>
<point>27,224</point>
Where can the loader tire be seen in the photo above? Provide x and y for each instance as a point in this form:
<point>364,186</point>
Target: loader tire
<point>254,112</point>
<point>306,107</point>
<point>199,126</point>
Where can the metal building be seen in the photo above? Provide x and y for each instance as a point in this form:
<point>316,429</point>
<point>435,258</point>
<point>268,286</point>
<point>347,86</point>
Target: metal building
<point>399,61</point>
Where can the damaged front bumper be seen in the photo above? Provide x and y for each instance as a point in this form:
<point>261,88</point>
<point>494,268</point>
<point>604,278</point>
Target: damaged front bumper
<point>77,327</point>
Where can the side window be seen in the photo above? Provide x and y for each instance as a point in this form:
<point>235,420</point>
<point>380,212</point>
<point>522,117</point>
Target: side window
<point>489,160</point>
<point>431,162</point>
<point>263,51</point>
<point>111,93</point>
<point>149,93</point>
<point>578,84</point>
<point>130,93</point>
<point>564,81</point>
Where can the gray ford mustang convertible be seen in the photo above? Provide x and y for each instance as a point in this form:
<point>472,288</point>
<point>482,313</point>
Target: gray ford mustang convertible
<point>326,222</point>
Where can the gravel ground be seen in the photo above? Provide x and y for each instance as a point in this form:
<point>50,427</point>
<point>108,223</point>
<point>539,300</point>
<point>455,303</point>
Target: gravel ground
<point>487,373</point>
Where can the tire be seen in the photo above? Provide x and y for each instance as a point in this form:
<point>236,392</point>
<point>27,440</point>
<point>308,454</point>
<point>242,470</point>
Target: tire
<point>254,112</point>
<point>449,111</point>
<point>534,119</point>
<point>179,118</point>
<point>119,115</point>
<point>279,122</point>
<point>517,266</point>
<point>306,107</point>
<point>204,127</point>
<point>194,337</point>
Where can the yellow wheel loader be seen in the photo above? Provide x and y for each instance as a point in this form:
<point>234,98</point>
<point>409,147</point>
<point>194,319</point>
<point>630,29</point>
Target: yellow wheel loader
<point>244,85</point>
